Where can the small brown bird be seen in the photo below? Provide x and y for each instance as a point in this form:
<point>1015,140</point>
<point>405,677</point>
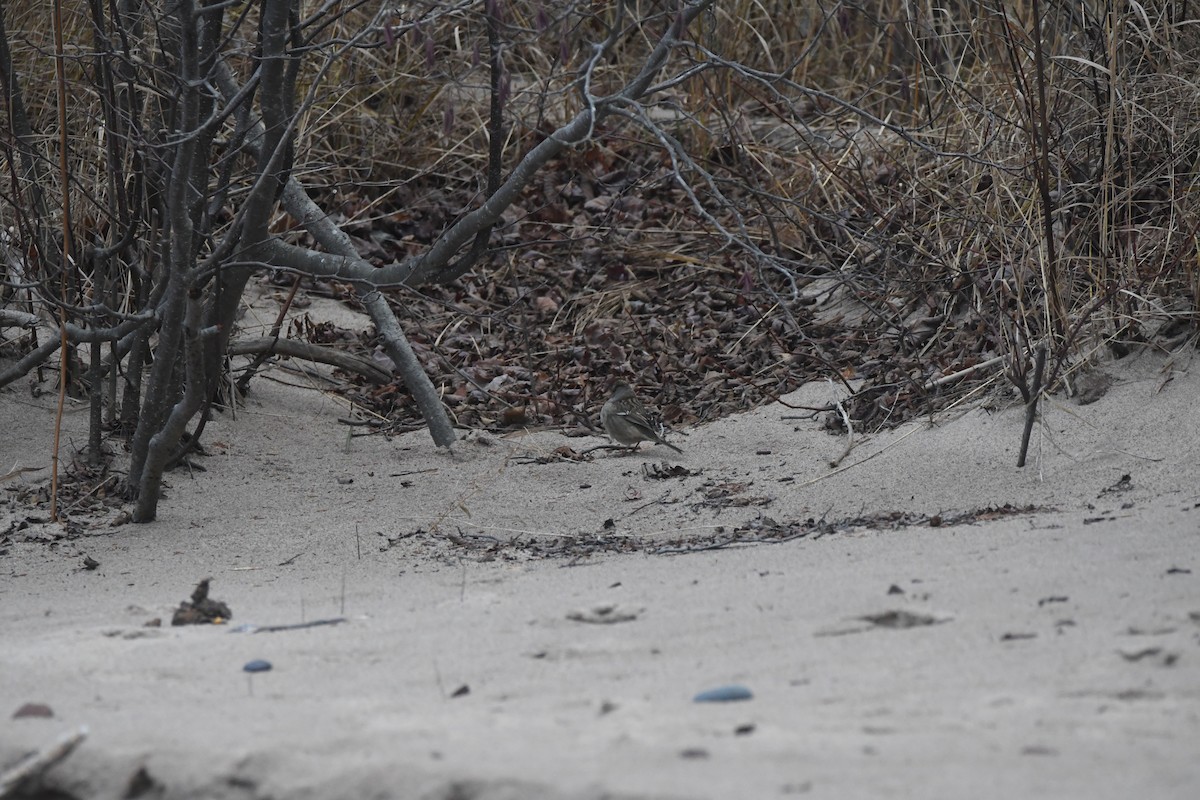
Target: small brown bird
<point>628,422</point>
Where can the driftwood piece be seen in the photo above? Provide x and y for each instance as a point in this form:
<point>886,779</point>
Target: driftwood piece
<point>39,761</point>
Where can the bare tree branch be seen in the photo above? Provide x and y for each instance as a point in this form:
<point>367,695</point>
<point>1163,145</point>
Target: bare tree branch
<point>311,352</point>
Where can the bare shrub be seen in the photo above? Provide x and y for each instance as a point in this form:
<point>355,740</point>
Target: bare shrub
<point>728,197</point>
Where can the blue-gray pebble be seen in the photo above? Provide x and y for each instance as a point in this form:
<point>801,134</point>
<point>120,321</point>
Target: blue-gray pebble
<point>724,694</point>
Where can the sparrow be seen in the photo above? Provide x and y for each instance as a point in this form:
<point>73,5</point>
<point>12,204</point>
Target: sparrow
<point>628,422</point>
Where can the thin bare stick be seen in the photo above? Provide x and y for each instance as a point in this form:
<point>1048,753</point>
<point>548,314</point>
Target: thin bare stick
<point>64,176</point>
<point>835,462</point>
<point>37,762</point>
<point>1035,391</point>
<point>243,383</point>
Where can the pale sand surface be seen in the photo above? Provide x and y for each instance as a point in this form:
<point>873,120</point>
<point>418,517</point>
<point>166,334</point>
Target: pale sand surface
<point>1066,663</point>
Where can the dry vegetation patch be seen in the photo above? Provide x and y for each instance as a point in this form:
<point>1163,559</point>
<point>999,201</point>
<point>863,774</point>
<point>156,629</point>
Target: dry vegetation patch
<point>908,200</point>
<point>895,195</point>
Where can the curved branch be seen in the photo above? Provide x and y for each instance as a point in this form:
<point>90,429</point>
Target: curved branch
<point>578,130</point>
<point>31,361</point>
<point>432,266</point>
<point>75,335</point>
<point>311,352</point>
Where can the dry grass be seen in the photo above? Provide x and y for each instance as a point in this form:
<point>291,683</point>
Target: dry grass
<point>898,158</point>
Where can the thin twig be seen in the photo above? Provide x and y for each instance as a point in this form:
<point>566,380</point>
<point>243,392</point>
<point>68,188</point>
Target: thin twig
<point>1035,391</point>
